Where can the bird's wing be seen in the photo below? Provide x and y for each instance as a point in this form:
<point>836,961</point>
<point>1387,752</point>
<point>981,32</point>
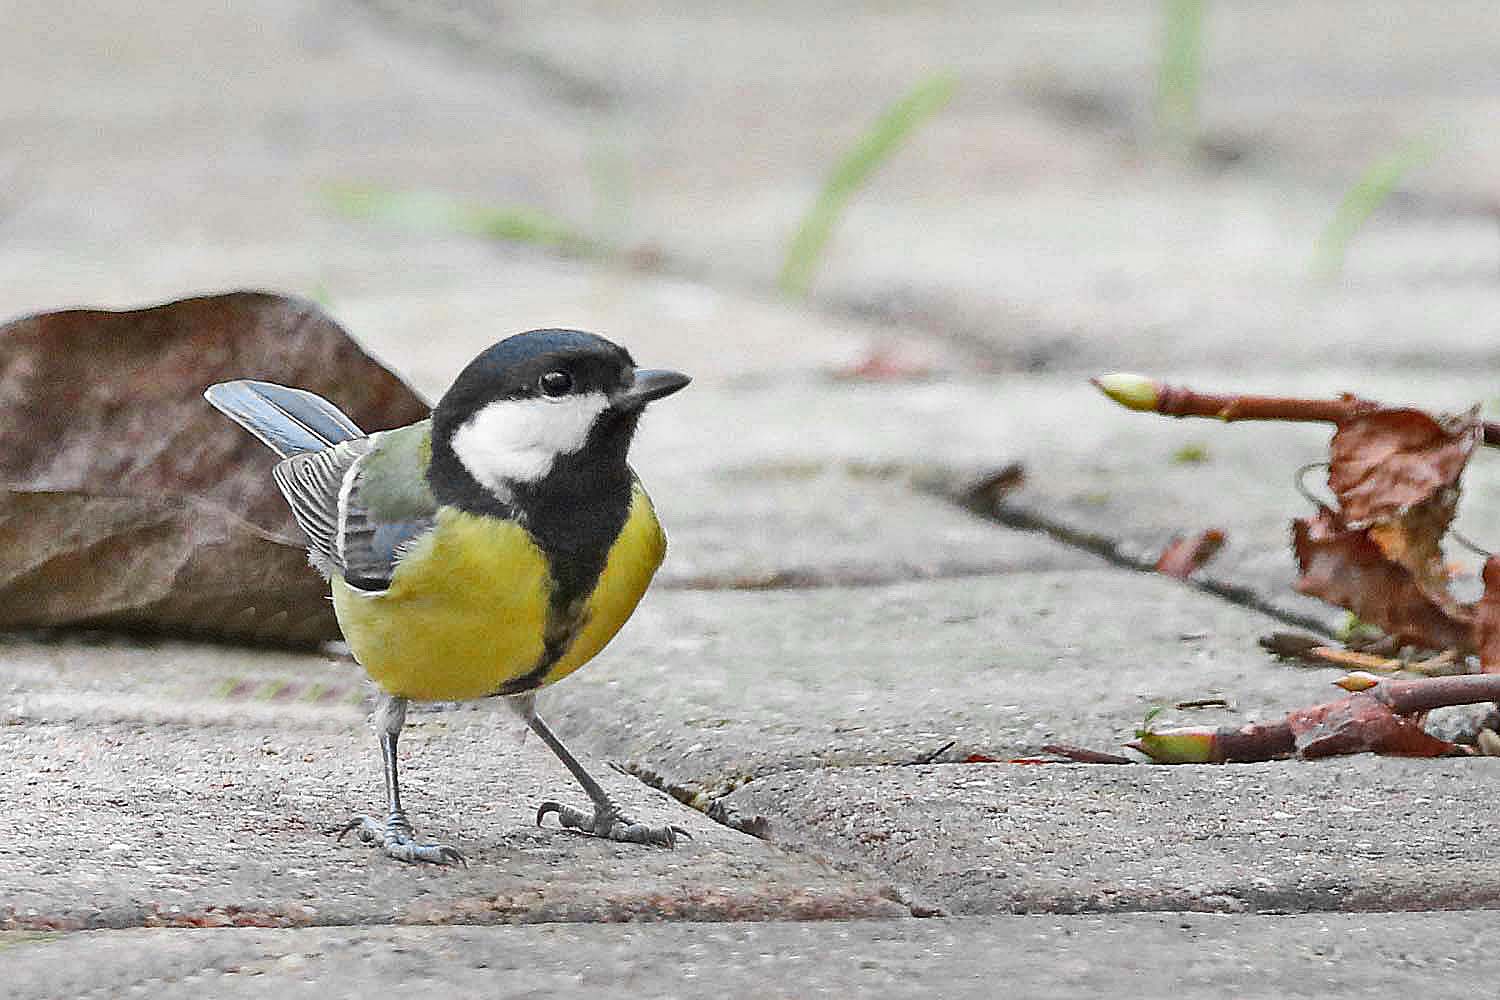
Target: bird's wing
<point>289,421</point>
<point>382,505</point>
<point>373,548</point>
<point>313,484</point>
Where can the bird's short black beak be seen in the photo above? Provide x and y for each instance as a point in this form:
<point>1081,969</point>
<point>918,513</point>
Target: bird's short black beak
<point>649,384</point>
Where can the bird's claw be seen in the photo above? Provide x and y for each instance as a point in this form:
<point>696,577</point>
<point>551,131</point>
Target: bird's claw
<point>609,824</point>
<point>395,837</point>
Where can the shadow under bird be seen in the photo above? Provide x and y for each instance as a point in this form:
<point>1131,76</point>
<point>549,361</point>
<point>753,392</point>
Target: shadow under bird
<point>487,551</point>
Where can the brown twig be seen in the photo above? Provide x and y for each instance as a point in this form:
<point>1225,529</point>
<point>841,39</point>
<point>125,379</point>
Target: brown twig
<point>1382,715</point>
<point>1203,703</point>
<point>931,756</point>
<point>1083,755</point>
<point>1291,645</point>
<point>1137,392</point>
<point>1425,693</point>
<point>1313,650</point>
<point>1355,659</point>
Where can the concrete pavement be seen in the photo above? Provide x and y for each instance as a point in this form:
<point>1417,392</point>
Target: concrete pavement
<point>1126,955</point>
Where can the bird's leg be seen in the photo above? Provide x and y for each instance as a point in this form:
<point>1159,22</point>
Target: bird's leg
<point>606,820</point>
<point>395,834</point>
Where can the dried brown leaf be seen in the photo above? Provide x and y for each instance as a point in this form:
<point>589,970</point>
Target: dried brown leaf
<point>1385,462</point>
<point>1396,473</point>
<point>1414,540</point>
<point>1185,555</point>
<point>891,361</point>
<point>1487,618</point>
<point>1344,566</point>
<point>172,564</point>
<point>1361,723</point>
<point>127,501</point>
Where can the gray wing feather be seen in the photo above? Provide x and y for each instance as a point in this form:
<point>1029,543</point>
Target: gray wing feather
<point>348,533</point>
<point>372,548</point>
<point>313,484</point>
<point>289,421</point>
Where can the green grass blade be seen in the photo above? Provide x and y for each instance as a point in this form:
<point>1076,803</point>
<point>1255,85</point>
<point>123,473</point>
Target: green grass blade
<point>884,136</point>
<point>1179,77</point>
<point>1363,199</point>
<point>433,210</point>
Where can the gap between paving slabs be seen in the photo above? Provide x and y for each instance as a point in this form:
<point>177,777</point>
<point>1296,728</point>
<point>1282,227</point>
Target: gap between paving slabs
<point>987,498</point>
<point>1142,955</point>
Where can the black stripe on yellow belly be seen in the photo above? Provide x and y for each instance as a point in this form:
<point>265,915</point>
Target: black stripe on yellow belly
<point>471,608</point>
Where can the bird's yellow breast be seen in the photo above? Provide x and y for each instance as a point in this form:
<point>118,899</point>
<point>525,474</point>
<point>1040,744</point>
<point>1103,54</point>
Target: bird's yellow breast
<point>468,606</point>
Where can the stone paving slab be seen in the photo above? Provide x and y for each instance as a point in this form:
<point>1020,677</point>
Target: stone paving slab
<point>1319,88</point>
<point>1031,215</point>
<point>1438,955</point>
<point>199,778</point>
<point>1041,242</point>
<point>151,792</point>
<point>820,528</point>
<point>709,689</point>
<point>724,338</point>
<point>1092,467</point>
<point>1352,833</point>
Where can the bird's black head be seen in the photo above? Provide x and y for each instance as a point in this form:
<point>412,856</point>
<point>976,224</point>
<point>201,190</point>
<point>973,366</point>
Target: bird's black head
<point>543,411</point>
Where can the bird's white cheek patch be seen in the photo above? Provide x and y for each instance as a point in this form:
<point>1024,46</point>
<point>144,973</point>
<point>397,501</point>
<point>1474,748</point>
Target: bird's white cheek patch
<point>517,440</point>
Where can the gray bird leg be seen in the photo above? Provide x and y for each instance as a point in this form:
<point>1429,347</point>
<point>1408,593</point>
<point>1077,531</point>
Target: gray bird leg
<point>395,834</point>
<point>606,820</point>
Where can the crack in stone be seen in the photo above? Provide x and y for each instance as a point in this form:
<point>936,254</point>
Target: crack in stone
<point>759,826</point>
<point>477,34</point>
<point>712,806</point>
<point>1116,552</point>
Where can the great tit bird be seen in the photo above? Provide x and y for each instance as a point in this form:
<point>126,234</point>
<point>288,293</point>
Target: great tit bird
<point>489,550</point>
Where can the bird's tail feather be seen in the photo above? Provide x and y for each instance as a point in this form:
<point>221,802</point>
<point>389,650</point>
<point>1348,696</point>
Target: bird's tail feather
<point>288,421</point>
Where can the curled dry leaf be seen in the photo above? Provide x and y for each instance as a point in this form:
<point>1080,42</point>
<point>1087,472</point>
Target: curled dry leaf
<point>1487,618</point>
<point>1184,556</point>
<point>1344,566</point>
<point>126,501</point>
<point>1385,462</point>
<point>171,564</point>
<point>1215,745</point>
<point>1396,474</point>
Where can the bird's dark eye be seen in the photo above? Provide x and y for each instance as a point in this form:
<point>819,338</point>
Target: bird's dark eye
<point>556,384</point>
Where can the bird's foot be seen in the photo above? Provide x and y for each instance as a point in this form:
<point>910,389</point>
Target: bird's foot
<point>607,822</point>
<point>396,838</point>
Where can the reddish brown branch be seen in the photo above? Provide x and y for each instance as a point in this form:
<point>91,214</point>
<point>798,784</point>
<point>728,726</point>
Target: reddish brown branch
<point>1137,392</point>
<point>1381,716</point>
<point>1083,755</point>
<point>1424,694</point>
<point>1178,401</point>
